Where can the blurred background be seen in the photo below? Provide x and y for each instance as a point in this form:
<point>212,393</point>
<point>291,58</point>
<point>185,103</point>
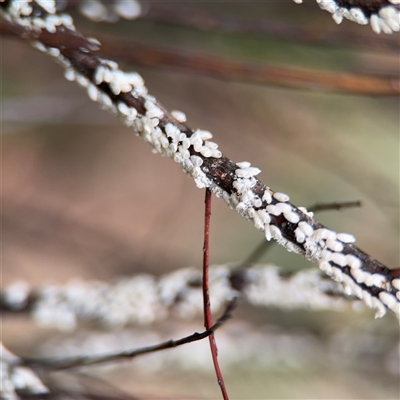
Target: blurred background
<point>82,197</point>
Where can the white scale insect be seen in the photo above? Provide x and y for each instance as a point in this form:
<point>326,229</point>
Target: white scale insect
<point>386,19</point>
<point>171,142</point>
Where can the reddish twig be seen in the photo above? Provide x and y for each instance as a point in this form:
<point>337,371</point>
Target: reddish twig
<point>206,294</point>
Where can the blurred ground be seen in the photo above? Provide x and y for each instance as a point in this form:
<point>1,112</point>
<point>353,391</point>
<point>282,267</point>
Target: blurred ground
<point>83,197</point>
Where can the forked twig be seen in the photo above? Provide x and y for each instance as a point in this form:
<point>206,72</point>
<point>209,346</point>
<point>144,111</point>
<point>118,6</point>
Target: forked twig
<point>206,294</point>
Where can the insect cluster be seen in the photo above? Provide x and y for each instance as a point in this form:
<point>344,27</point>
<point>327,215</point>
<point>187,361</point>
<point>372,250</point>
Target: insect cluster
<point>125,95</point>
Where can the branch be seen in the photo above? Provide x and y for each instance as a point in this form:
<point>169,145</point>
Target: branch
<point>279,75</point>
<point>173,294</point>
<point>206,295</point>
<point>125,95</point>
<point>266,74</point>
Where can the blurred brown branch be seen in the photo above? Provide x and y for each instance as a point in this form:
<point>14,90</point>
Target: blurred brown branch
<point>217,67</point>
<point>280,75</point>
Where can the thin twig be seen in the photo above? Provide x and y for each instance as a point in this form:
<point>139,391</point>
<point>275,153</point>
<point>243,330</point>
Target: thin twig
<point>206,294</point>
<point>337,205</point>
<point>256,254</point>
<point>83,361</point>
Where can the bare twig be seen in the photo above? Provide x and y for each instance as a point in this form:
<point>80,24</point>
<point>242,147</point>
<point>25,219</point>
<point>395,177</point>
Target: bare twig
<point>338,205</point>
<point>83,361</point>
<point>206,294</point>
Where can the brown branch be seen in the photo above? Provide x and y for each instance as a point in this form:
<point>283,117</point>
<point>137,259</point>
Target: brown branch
<point>271,212</point>
<point>217,67</point>
<point>206,294</point>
